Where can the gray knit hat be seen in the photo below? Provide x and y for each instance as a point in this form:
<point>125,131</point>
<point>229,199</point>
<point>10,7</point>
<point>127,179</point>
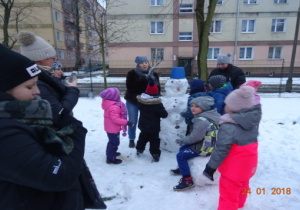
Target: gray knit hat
<point>224,58</point>
<point>204,102</point>
<point>217,81</point>
<point>35,47</point>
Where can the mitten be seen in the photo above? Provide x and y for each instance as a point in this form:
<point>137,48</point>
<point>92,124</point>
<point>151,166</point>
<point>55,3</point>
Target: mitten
<point>130,124</point>
<point>209,172</point>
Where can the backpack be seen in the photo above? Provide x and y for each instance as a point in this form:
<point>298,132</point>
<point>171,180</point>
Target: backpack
<point>210,138</point>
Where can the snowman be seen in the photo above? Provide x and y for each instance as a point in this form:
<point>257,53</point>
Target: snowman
<point>175,101</point>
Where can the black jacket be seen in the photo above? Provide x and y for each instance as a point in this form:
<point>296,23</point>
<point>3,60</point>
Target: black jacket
<point>136,86</point>
<point>151,110</point>
<point>33,178</point>
<point>233,74</point>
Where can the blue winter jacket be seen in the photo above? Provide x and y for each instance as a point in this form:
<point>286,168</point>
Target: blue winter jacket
<point>219,95</point>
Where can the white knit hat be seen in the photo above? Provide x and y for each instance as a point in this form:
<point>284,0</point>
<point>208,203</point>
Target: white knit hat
<point>35,47</point>
<point>242,98</point>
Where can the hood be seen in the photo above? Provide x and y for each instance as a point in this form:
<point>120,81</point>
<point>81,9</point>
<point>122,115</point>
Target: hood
<point>106,104</point>
<point>149,101</point>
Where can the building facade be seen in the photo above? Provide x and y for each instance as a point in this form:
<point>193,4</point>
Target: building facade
<point>259,34</point>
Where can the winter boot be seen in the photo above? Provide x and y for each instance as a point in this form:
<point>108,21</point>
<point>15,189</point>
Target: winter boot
<point>175,171</point>
<point>115,161</point>
<point>131,144</point>
<point>155,157</point>
<point>138,152</point>
<point>184,184</point>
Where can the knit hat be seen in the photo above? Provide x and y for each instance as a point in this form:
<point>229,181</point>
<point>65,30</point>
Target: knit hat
<point>242,98</point>
<point>253,83</point>
<point>140,59</point>
<point>152,88</point>
<point>197,85</point>
<point>217,81</point>
<point>35,47</point>
<point>204,102</point>
<point>15,69</point>
<point>56,65</point>
<point>224,58</point>
<point>110,94</point>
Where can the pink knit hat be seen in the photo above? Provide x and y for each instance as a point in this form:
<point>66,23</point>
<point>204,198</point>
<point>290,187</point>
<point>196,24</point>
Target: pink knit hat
<point>252,83</point>
<point>242,98</point>
<point>110,94</point>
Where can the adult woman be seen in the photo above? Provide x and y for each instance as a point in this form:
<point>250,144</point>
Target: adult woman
<point>233,74</point>
<point>136,84</point>
<point>39,165</point>
<point>57,70</point>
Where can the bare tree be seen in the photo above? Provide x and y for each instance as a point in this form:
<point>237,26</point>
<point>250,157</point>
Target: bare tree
<point>203,27</point>
<point>14,14</point>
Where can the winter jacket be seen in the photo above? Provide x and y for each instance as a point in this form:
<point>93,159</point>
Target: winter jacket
<point>235,154</point>
<point>62,98</point>
<point>112,116</point>
<point>188,115</point>
<point>33,178</point>
<point>151,110</point>
<point>136,86</point>
<point>196,137</point>
<point>219,95</point>
<point>234,75</point>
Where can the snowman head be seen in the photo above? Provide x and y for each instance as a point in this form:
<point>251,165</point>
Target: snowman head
<point>176,87</point>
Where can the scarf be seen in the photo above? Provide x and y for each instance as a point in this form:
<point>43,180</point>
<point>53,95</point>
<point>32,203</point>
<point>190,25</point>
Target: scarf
<point>148,74</point>
<point>38,114</point>
<point>124,116</point>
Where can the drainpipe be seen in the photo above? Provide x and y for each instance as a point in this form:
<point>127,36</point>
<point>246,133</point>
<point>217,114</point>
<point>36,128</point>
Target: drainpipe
<point>53,25</point>
<point>236,31</point>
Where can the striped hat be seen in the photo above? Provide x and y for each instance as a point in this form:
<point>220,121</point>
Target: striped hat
<point>112,94</point>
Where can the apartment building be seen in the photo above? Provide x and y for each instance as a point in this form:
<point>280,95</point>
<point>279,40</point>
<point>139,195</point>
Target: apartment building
<point>258,33</point>
<point>55,21</point>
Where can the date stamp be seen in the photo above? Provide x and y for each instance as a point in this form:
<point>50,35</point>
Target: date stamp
<point>263,191</point>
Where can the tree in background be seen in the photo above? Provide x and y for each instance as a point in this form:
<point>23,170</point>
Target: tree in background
<point>203,26</point>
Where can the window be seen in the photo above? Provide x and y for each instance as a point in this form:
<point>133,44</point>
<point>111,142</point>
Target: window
<point>216,26</point>
<point>185,8</point>
<point>61,54</point>
<point>219,2</point>
<point>278,25</point>
<point>213,53</point>
<point>185,36</point>
<point>275,53</point>
<point>156,2</point>
<point>57,16</point>
<point>280,1</point>
<point>157,54</point>
<point>70,55</point>
<point>248,26</point>
<point>157,27</point>
<point>250,1</point>
<point>59,35</point>
<point>246,53</point>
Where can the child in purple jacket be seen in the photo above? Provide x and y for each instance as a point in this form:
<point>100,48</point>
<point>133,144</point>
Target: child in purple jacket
<point>115,120</point>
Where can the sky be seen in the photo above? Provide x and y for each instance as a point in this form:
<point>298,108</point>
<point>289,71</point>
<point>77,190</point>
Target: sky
<point>138,183</point>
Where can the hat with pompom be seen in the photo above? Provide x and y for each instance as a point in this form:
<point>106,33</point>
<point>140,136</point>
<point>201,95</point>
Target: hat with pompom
<point>204,102</point>
<point>110,94</point>
<point>253,83</point>
<point>35,47</point>
<point>152,88</point>
<point>242,98</point>
<point>224,58</point>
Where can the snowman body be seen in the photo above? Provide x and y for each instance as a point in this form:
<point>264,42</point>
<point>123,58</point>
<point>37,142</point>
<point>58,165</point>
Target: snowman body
<point>175,101</point>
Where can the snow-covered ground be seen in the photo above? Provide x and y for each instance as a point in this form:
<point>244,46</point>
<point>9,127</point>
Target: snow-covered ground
<point>138,183</point>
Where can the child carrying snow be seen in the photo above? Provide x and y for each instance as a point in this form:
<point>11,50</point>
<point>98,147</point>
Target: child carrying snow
<point>199,142</point>
<point>235,155</point>
<point>115,120</point>
<point>151,110</point>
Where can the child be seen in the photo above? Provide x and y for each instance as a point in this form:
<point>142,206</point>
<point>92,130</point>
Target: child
<point>204,129</point>
<point>235,155</point>
<point>40,165</point>
<point>115,120</point>
<point>219,90</point>
<point>197,88</point>
<point>255,84</point>
<point>151,110</point>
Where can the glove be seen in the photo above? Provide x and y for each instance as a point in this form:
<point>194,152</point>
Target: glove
<point>179,141</point>
<point>209,172</point>
<point>130,124</point>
